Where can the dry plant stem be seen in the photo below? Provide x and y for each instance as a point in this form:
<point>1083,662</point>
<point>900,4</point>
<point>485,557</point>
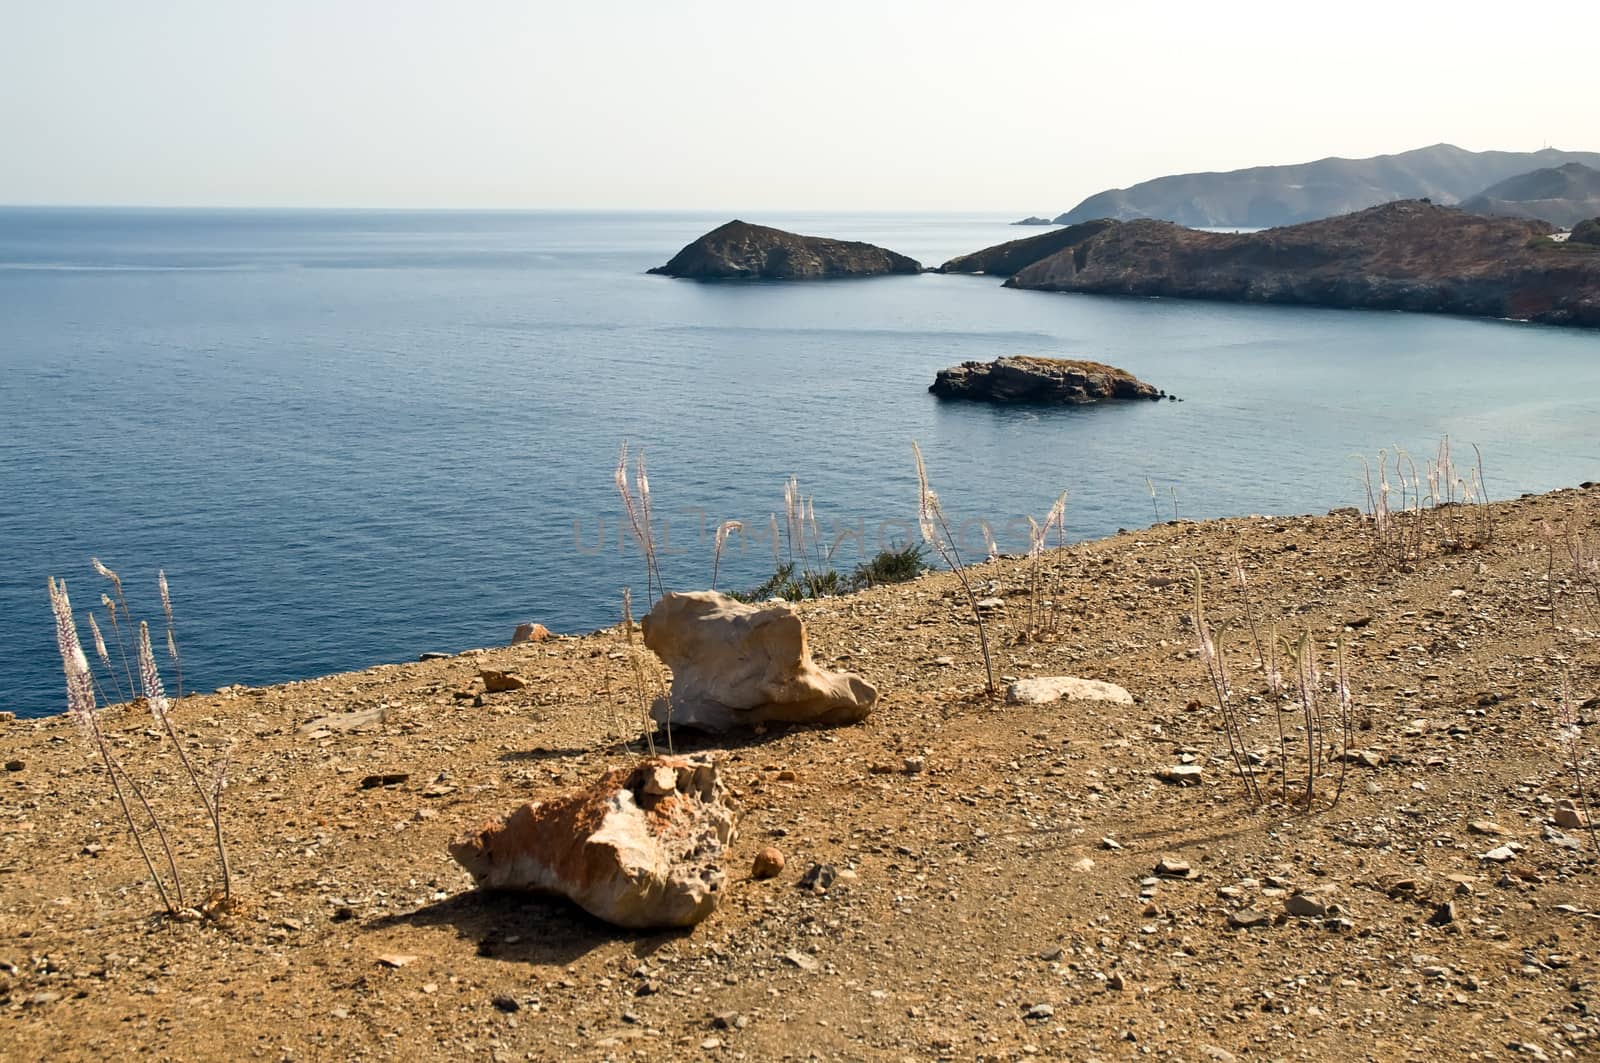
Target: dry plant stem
<point>936,532</point>
<point>1216,670</point>
<point>105,657</point>
<point>639,518</point>
<point>1346,728</point>
<point>113,769</point>
<point>159,707</point>
<point>81,707</point>
<point>638,676</point>
<point>116,630</point>
<point>723,530</point>
<point>1568,721</point>
<point>172,631</point>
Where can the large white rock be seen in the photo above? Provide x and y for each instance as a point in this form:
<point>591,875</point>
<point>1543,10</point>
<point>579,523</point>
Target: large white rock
<point>735,665</point>
<point>641,847</point>
<point>1050,688</point>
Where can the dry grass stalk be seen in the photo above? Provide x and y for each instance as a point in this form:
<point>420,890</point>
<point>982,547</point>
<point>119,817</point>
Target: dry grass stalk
<point>81,708</point>
<point>172,631</point>
<point>936,533</point>
<point>642,687</point>
<point>1216,670</point>
<point>1568,734</point>
<point>638,512</point>
<point>1039,623</point>
<point>723,531</point>
<point>211,799</point>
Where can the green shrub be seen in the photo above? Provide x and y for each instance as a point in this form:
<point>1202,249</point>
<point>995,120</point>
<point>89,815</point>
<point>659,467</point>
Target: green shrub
<point>891,566</point>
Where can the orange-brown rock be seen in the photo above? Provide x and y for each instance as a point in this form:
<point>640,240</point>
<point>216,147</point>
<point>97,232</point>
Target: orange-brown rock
<point>736,665</point>
<point>641,847</point>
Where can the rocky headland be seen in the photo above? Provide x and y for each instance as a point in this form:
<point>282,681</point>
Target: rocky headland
<point>1034,219</point>
<point>742,251</point>
<point>1069,874</point>
<point>1412,255</point>
<point>1003,260</point>
<point>1028,379</point>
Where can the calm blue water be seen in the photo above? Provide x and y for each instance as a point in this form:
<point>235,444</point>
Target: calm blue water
<point>353,436</point>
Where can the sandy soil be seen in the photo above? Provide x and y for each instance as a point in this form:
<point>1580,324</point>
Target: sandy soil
<point>1004,901</point>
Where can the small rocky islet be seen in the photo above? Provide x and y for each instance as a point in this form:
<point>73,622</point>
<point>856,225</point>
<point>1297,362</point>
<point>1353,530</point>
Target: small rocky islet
<point>742,251</point>
<point>1035,380</point>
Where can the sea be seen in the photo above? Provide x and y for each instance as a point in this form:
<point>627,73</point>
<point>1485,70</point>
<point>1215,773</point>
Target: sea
<point>352,437</point>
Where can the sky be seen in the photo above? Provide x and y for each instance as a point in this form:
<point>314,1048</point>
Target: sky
<point>1021,106</point>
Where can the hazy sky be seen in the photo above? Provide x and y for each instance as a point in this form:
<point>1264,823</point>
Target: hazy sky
<point>1016,106</point>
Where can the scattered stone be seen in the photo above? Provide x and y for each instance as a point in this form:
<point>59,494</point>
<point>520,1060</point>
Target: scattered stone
<point>1181,774</point>
<point>1039,1012</point>
<point>389,778</point>
<point>1248,918</point>
<point>1212,1052</point>
<point>1443,915</point>
<point>1109,843</point>
<point>768,864</point>
<point>800,960</point>
<point>737,665</point>
<point>1500,855</point>
<point>497,682</point>
<point>1046,689</point>
<point>915,765</point>
<point>1084,865</point>
<point>1485,826</point>
<point>1303,907</point>
<point>1567,815</point>
<point>1172,867</point>
<point>15,765</point>
<point>345,721</point>
<point>434,655</point>
<point>396,959</point>
<point>819,878</point>
<point>529,633</point>
<point>1115,981</point>
<point>438,789</point>
<point>623,854</point>
<point>504,1002</point>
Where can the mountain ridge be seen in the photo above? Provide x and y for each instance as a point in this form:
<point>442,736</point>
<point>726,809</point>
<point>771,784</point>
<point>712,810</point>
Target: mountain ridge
<point>1287,194</point>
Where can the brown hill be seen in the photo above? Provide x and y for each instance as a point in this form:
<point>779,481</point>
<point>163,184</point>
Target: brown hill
<point>1410,255</point>
<point>741,251</point>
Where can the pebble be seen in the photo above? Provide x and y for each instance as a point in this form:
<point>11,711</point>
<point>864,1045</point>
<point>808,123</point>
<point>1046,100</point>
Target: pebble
<point>800,960</point>
<point>1444,915</point>
<point>1485,826</point>
<point>916,765</point>
<point>497,682</point>
<point>768,863</point>
<point>1181,774</point>
<point>1247,919</point>
<point>1499,855</point>
<point>1302,907</point>
<point>1172,867</point>
<point>1039,1012</point>
<point>15,765</point>
<point>1567,815</point>
<point>505,1003</point>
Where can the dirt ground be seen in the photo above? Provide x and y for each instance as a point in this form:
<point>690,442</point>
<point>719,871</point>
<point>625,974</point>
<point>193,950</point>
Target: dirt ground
<point>998,895</point>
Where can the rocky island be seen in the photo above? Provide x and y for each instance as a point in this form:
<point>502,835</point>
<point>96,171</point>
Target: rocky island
<point>741,251</point>
<point>1029,379</point>
<point>1410,255</point>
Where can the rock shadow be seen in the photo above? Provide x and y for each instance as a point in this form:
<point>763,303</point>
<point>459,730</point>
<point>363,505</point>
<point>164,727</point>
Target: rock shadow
<point>530,928</point>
